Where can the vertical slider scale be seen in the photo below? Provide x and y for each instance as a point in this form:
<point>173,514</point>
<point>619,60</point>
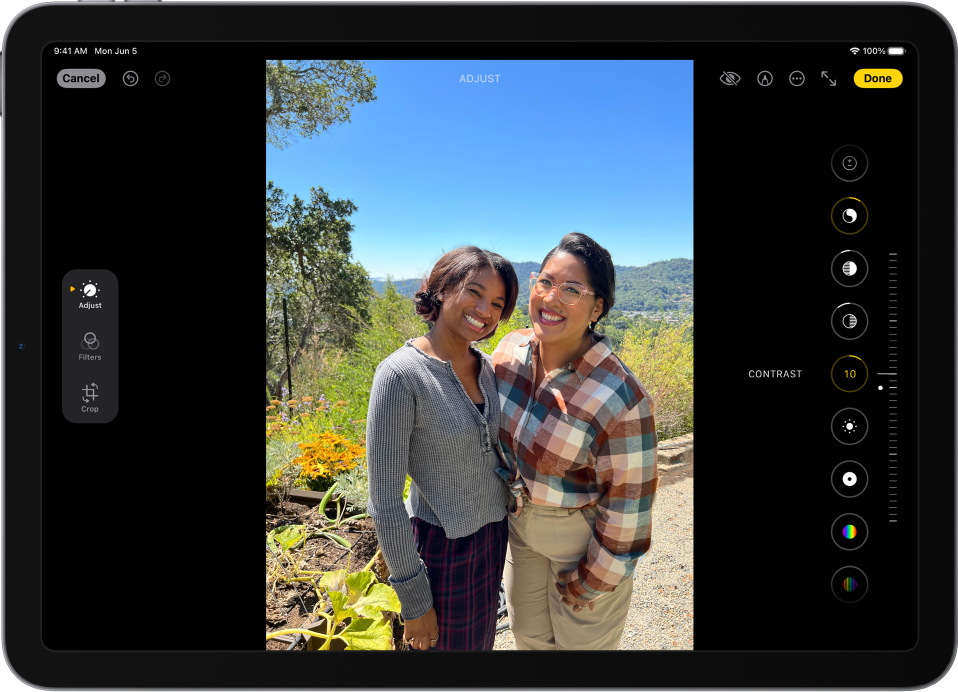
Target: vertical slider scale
<point>89,346</point>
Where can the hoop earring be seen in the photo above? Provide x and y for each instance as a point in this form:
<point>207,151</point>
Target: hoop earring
<point>592,326</point>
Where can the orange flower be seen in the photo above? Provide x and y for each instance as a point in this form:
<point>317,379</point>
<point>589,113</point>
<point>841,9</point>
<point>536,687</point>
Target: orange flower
<point>307,398</point>
<point>275,402</point>
<point>304,415</point>
<point>270,408</point>
<point>292,403</point>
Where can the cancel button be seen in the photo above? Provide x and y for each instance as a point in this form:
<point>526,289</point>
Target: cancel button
<point>81,79</point>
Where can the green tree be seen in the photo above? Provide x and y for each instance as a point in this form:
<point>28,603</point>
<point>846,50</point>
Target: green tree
<point>308,251</point>
<point>307,97</point>
<point>347,374</point>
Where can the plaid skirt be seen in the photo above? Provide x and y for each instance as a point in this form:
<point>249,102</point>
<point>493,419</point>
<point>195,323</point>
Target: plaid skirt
<point>464,574</point>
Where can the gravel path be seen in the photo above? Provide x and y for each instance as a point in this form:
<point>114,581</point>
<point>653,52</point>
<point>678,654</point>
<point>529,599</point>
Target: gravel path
<point>660,614</point>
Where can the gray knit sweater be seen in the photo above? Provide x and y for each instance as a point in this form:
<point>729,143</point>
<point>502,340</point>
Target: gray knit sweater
<point>422,422</point>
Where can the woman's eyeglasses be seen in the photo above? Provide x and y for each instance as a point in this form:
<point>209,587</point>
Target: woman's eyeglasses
<point>569,293</point>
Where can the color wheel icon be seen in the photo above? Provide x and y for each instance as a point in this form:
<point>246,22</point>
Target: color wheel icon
<point>849,531</point>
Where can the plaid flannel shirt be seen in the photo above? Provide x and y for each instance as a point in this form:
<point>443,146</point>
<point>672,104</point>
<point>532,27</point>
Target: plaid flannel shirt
<point>586,438</point>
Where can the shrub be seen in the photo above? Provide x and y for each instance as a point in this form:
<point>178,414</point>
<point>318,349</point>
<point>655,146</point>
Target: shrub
<point>281,469</point>
<point>354,485</point>
<point>661,356</point>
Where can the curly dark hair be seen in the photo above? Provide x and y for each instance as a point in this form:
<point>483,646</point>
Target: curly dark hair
<point>454,269</point>
<point>598,264</point>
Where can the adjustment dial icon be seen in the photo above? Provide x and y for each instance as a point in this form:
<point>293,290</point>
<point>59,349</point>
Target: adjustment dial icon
<point>849,215</point>
<point>849,426</point>
<point>849,479</point>
<point>849,268</point>
<point>849,373</point>
<point>849,321</point>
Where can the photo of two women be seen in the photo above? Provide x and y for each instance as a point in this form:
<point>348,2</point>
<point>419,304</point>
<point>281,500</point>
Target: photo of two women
<point>479,355</point>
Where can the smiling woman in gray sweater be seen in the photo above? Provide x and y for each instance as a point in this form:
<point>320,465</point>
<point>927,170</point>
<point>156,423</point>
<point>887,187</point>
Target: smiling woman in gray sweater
<point>434,415</point>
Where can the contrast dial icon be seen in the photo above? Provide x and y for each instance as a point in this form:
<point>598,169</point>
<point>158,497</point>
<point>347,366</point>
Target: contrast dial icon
<point>849,373</point>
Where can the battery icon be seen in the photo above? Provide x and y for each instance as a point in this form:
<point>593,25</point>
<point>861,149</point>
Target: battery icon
<point>896,50</point>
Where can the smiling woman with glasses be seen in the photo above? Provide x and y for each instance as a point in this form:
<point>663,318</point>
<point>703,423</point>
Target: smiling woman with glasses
<point>578,443</point>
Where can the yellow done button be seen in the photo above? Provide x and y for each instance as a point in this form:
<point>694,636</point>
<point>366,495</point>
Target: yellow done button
<point>878,79</point>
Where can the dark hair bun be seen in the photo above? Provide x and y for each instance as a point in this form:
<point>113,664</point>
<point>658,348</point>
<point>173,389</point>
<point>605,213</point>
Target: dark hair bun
<point>427,304</point>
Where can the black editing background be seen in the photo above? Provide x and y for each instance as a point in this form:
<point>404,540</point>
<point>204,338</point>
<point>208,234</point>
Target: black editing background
<point>147,525</point>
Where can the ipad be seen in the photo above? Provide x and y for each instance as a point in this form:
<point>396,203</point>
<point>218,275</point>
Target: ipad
<point>803,153</point>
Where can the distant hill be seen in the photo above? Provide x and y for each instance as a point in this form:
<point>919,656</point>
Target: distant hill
<point>637,288</point>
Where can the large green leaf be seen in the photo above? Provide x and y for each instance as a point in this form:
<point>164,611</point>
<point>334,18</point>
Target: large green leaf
<point>341,610</point>
<point>368,635</point>
<point>356,585</point>
<point>290,536</point>
<point>380,597</point>
<point>333,581</point>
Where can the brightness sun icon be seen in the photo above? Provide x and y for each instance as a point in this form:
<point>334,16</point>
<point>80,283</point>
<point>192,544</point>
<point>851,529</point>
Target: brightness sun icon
<point>850,426</point>
<point>89,289</point>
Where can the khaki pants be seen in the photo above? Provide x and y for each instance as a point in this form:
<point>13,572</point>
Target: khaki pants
<point>544,541</point>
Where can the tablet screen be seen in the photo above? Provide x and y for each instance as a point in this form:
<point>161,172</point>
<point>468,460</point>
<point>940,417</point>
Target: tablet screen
<point>488,370</point>
<point>794,164</point>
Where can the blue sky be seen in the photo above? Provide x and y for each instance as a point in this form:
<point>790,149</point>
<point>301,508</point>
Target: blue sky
<point>512,165</point>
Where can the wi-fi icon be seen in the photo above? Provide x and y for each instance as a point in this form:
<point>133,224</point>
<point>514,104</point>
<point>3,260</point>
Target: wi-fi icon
<point>854,50</point>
